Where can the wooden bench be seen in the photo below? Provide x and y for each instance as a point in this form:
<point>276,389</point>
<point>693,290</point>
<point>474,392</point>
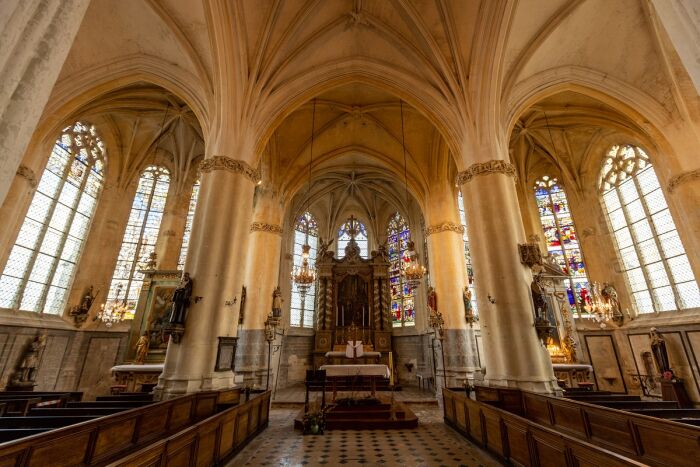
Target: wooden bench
<point>71,395</point>
<point>103,404</point>
<point>41,422</point>
<point>603,397</point>
<point>127,397</point>
<point>637,405</point>
<point>20,407</point>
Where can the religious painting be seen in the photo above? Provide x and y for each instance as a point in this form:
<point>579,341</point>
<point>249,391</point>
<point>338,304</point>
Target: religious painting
<point>353,303</point>
<point>159,315</point>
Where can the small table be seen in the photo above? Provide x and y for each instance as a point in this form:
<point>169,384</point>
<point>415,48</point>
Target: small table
<point>373,371</point>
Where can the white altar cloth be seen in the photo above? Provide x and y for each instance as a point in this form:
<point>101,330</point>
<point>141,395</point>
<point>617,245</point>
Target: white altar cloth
<point>356,370</point>
<point>341,354</point>
<point>145,368</point>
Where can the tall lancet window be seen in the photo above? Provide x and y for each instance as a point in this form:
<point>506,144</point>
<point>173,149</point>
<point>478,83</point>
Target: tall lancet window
<point>302,308</point>
<point>140,236</point>
<point>402,303</point>
<point>345,233</point>
<point>42,263</point>
<point>560,236</point>
<point>188,226</point>
<point>648,245</point>
<point>467,254</point>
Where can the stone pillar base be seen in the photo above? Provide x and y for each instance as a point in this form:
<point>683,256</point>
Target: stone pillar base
<point>169,388</point>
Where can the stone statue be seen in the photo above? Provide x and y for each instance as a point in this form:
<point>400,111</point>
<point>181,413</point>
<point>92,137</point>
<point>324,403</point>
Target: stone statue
<point>468,307</point>
<point>277,302</point>
<point>609,295</point>
<point>26,374</point>
<point>181,300</point>
<point>142,349</point>
<point>432,300</point>
<point>658,348</point>
<point>80,312</point>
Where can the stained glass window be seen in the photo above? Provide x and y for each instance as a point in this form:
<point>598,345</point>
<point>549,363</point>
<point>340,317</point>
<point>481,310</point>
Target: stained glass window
<point>302,308</point>
<point>650,250</point>
<point>141,234</point>
<point>402,300</point>
<point>188,226</point>
<point>360,237</point>
<point>42,262</point>
<point>560,236</point>
<point>467,255</point>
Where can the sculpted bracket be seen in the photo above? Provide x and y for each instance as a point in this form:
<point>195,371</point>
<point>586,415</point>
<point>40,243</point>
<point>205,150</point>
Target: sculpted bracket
<point>28,174</point>
<point>487,168</point>
<point>683,178</point>
<point>232,165</point>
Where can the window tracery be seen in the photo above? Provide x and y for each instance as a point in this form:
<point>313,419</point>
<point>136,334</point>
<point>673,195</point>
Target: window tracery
<point>402,299</point>
<point>141,234</point>
<point>188,225</point>
<point>302,308</point>
<point>650,250</point>
<point>360,237</point>
<point>42,263</point>
<point>561,238</point>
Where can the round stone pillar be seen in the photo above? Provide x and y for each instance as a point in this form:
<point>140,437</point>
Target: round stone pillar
<point>514,356</point>
<point>216,263</point>
<point>449,277</point>
<point>261,278</point>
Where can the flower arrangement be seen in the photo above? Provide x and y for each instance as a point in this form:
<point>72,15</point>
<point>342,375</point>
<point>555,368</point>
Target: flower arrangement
<point>314,422</point>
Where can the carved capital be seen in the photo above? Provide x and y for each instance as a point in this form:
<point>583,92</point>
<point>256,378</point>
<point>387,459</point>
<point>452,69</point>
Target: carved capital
<point>232,165</point>
<point>444,227</point>
<point>487,168</point>
<point>28,174</point>
<point>263,227</point>
<point>683,178</point>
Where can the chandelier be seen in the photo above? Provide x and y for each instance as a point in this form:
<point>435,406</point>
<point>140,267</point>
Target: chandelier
<point>304,276</point>
<point>599,308</point>
<point>114,311</point>
<point>413,271</point>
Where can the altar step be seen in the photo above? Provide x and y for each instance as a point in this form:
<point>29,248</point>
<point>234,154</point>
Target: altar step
<point>378,417</point>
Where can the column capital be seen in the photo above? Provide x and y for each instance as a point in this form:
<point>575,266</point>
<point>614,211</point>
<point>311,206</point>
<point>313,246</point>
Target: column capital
<point>444,227</point>
<point>264,227</point>
<point>496,166</point>
<point>231,165</point>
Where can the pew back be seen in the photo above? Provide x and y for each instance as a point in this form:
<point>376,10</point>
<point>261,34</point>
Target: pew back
<point>101,440</point>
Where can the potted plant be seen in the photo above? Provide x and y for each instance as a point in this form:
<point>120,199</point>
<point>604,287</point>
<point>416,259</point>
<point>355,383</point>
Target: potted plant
<point>314,422</point>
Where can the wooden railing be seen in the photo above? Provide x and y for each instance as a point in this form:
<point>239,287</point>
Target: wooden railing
<point>521,441</point>
<point>105,439</point>
<point>210,442</point>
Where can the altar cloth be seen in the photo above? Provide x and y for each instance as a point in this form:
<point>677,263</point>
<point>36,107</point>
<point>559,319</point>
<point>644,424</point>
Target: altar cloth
<point>357,370</point>
<point>133,368</point>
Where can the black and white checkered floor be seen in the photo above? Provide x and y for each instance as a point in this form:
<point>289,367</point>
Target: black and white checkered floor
<point>431,444</point>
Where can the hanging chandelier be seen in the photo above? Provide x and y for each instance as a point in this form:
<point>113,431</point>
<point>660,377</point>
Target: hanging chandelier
<point>599,308</point>
<point>304,275</point>
<point>114,311</point>
<point>412,271</point>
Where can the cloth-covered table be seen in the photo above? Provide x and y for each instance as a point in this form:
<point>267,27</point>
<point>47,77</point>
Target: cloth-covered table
<point>357,370</point>
<point>339,354</point>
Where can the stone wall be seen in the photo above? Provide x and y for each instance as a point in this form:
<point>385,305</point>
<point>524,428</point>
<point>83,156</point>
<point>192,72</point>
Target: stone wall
<point>72,360</point>
<point>295,359</point>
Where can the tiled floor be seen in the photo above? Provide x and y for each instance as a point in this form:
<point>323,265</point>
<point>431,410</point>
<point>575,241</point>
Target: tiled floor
<point>431,444</point>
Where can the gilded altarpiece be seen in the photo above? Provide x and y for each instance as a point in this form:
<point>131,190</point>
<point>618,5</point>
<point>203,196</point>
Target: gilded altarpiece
<point>353,302</point>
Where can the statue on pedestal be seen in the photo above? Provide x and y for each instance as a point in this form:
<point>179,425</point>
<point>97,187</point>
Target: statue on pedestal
<point>432,300</point>
<point>468,307</point>
<point>142,349</point>
<point>25,376</point>
<point>80,312</point>
<point>658,349</point>
<point>181,300</point>
<point>277,303</point>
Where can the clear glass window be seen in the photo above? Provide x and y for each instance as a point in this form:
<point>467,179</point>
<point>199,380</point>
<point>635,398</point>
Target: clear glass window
<point>302,308</point>
<point>188,226</point>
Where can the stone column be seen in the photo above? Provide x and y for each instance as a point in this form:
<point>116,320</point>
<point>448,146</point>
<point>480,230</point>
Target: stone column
<point>449,277</point>
<point>216,263</point>
<point>513,354</point>
<point>36,36</point>
<point>261,278</point>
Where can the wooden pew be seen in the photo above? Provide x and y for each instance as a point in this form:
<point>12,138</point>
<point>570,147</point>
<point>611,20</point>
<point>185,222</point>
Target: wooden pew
<point>19,433</point>
<point>602,397</point>
<point>127,397</point>
<point>20,407</point>
<point>637,405</point>
<point>105,439</point>
<point>73,411</point>
<point>72,395</point>
<point>103,404</point>
<point>41,422</point>
<point>2,408</point>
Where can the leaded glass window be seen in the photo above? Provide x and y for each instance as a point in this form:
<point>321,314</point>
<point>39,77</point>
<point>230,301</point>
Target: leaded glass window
<point>302,308</point>
<point>141,235</point>
<point>402,299</point>
<point>344,235</point>
<point>42,263</point>
<point>560,236</point>
<point>467,254</point>
<point>649,248</point>
<point>188,226</point>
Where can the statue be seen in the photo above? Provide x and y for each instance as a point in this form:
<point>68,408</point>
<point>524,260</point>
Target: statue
<point>658,348</point>
<point>468,307</point>
<point>80,312</point>
<point>142,349</point>
<point>277,302</point>
<point>25,376</point>
<point>609,295</point>
<point>432,300</point>
<point>542,325</point>
<point>181,300</point>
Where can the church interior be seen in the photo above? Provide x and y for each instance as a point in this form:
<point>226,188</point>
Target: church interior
<point>435,232</point>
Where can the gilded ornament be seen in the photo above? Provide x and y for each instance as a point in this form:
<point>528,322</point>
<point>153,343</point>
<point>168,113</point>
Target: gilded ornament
<point>487,168</point>
<point>683,178</point>
<point>263,227</point>
<point>444,227</point>
<point>232,165</point>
